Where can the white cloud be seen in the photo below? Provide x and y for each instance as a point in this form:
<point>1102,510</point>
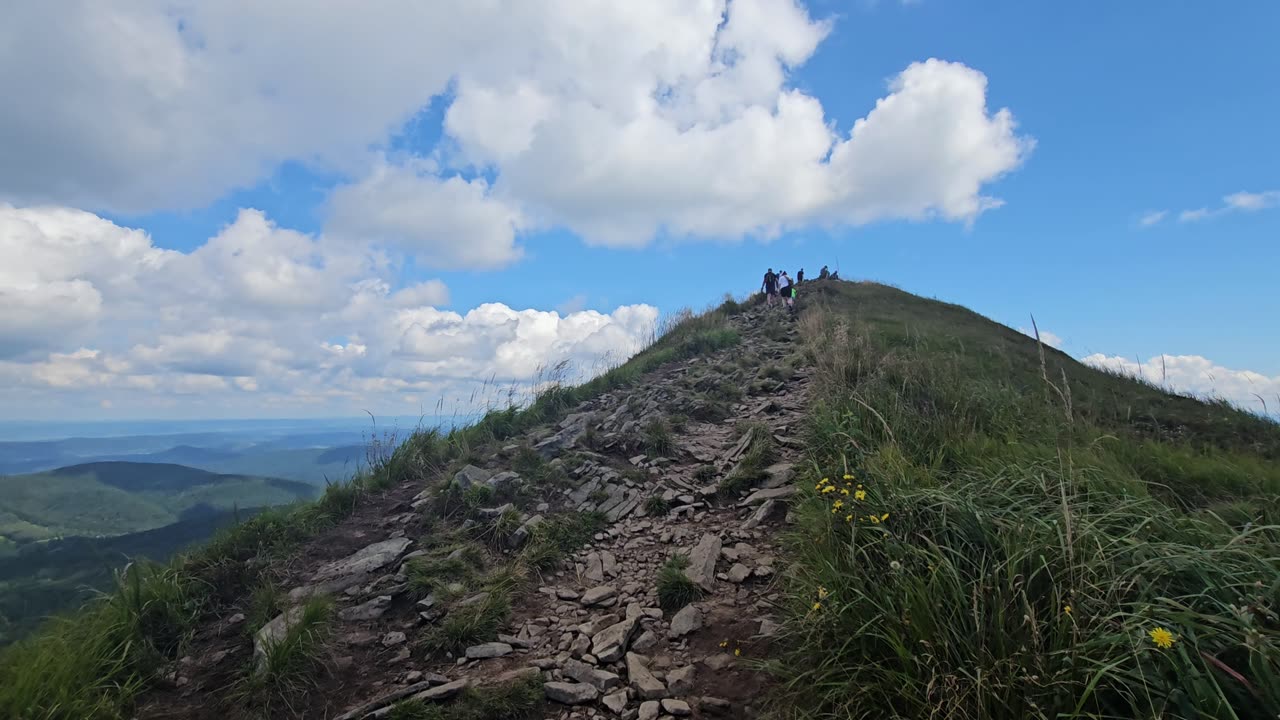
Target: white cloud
<point>1235,202</point>
<point>1152,217</point>
<point>258,319</point>
<point>1200,376</point>
<point>1048,338</point>
<point>445,223</point>
<point>621,121</point>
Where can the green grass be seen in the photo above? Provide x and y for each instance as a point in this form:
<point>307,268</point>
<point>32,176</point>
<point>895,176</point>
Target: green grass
<point>675,589</point>
<point>761,450</point>
<point>517,701</point>
<point>1016,488</point>
<point>472,624</point>
<point>559,535</point>
<point>289,666</point>
<point>656,506</point>
<point>657,439</point>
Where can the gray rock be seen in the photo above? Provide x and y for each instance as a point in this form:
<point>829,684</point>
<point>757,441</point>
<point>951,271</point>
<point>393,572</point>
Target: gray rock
<point>570,693</point>
<point>646,685</point>
<point>611,643</point>
<point>504,481</point>
<point>645,642</point>
<point>394,638</point>
<point>680,680</point>
<point>686,621</point>
<point>779,474</point>
<point>760,496</point>
<point>598,595</point>
<point>739,573</point>
<point>714,705</point>
<point>601,680</point>
<point>443,692</point>
<point>273,633</point>
<point>679,708</point>
<point>702,562</point>
<point>718,662</point>
<point>567,594</point>
<point>649,710</point>
<point>769,511</point>
<point>488,650</point>
<point>471,475</point>
<point>617,702</point>
<point>524,532</point>
<point>371,610</point>
<point>768,628</point>
<point>364,561</point>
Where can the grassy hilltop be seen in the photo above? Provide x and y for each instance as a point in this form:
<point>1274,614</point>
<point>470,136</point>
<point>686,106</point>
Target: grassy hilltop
<point>984,528</point>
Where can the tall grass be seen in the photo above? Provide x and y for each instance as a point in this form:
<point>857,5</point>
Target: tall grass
<point>1008,557</point>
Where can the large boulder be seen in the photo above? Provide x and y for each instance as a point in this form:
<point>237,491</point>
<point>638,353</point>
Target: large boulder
<point>702,562</point>
<point>364,561</point>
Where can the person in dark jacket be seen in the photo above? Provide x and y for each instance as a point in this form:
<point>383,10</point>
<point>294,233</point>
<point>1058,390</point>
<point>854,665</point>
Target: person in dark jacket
<point>770,286</point>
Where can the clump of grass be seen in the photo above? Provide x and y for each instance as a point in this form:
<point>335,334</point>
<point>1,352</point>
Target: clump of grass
<point>558,535</point>
<point>93,664</point>
<point>266,601</point>
<point>445,565</point>
<point>290,665</point>
<point>761,450</point>
<point>655,505</point>
<point>707,409</point>
<point>705,473</point>
<point>472,624</point>
<point>675,589</point>
<point>497,532</point>
<point>657,439</point>
<point>679,422</point>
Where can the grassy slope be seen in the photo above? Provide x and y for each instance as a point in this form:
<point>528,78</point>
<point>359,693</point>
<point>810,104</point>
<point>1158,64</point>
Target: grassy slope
<point>1025,527</point>
<point>112,498</point>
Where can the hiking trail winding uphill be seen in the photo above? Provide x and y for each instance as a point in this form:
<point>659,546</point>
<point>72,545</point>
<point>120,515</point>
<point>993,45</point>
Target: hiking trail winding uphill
<point>591,630</point>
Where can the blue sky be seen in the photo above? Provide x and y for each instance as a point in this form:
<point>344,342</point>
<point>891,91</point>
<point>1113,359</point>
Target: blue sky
<point>1121,112</point>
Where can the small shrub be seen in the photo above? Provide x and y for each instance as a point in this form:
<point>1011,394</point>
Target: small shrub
<point>675,589</point>
<point>658,441</point>
<point>655,505</point>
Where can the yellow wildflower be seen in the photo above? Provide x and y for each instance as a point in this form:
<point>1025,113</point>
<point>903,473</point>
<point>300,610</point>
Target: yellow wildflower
<point>837,505</point>
<point>844,491</point>
<point>848,476</point>
<point>828,489</point>
<point>859,486</point>
<point>817,606</point>
<point>737,652</point>
<point>1162,638</point>
<point>724,643</point>
<point>860,495</point>
<point>848,518</point>
<point>884,517</point>
<point>1066,609</point>
<point>873,519</point>
<point>822,593</point>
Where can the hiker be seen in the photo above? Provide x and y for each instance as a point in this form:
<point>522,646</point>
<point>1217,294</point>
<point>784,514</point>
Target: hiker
<point>788,289</point>
<point>770,287</point>
<point>824,274</point>
<point>800,276</point>
<point>835,275</point>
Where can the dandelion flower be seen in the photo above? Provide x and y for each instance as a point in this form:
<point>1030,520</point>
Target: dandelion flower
<point>1162,638</point>
<point>860,495</point>
<point>895,566</point>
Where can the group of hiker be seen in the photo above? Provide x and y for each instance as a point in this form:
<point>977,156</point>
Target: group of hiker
<point>780,285</point>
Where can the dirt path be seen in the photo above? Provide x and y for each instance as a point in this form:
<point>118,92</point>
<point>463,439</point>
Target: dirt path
<point>594,630</point>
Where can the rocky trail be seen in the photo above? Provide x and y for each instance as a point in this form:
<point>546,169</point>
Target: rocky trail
<point>592,630</point>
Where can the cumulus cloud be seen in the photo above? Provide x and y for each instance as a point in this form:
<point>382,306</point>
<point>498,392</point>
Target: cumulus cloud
<point>1200,376</point>
<point>620,121</point>
<point>258,318</point>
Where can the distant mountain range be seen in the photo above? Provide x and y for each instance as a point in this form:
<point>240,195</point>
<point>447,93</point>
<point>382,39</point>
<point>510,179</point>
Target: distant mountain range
<point>114,498</point>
